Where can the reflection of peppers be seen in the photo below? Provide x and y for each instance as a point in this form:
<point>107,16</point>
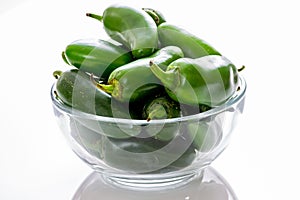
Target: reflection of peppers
<point>99,57</point>
<point>208,80</point>
<point>191,45</point>
<point>134,81</point>
<point>132,27</point>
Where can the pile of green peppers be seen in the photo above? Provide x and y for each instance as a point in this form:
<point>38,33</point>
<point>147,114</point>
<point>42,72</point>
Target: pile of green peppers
<point>148,69</point>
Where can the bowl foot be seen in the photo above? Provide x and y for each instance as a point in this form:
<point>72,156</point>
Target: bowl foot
<point>209,185</point>
<point>152,182</point>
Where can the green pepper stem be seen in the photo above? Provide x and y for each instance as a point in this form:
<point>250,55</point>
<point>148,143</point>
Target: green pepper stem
<point>98,17</point>
<point>57,74</point>
<point>158,112</point>
<point>106,88</point>
<point>152,13</point>
<point>170,79</point>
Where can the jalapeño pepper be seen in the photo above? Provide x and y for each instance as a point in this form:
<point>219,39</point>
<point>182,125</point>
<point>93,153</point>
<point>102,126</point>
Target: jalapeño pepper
<point>132,27</point>
<point>75,89</point>
<point>209,80</point>
<point>145,155</point>
<point>191,45</point>
<point>161,107</point>
<point>135,80</point>
<point>99,57</point>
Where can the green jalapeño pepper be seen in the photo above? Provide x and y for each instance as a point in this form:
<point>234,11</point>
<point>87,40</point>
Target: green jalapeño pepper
<point>191,45</point>
<point>75,88</point>
<point>99,57</point>
<point>161,107</point>
<point>132,27</point>
<point>144,155</point>
<point>209,80</point>
<point>134,81</point>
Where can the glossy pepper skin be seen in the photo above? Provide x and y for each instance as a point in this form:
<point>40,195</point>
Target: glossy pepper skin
<point>135,81</point>
<point>209,80</point>
<point>99,57</point>
<point>132,27</point>
<point>191,45</point>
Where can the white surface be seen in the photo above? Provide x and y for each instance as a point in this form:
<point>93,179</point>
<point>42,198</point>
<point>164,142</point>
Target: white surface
<point>262,159</point>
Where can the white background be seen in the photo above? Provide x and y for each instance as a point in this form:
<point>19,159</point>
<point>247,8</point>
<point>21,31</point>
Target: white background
<point>262,160</point>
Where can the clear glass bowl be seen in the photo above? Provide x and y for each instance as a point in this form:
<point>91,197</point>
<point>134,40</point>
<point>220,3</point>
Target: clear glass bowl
<point>154,153</point>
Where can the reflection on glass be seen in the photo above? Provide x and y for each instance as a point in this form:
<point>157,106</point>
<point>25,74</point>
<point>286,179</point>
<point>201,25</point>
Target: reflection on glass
<point>210,185</point>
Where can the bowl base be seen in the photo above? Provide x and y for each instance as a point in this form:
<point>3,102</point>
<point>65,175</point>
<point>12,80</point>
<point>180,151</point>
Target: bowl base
<point>208,185</point>
<point>151,182</point>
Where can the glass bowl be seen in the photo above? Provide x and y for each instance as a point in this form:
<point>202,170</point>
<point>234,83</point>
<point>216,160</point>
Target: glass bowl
<point>154,153</point>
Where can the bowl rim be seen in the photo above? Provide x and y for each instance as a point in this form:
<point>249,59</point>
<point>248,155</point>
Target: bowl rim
<point>234,99</point>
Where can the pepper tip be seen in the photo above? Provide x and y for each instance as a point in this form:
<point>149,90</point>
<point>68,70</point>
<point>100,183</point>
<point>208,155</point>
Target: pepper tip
<point>98,17</point>
<point>241,68</point>
<point>151,62</point>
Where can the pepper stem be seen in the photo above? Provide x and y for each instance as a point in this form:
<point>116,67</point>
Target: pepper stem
<point>170,79</point>
<point>152,13</point>
<point>57,74</point>
<point>98,17</point>
<point>106,88</point>
<point>157,112</point>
